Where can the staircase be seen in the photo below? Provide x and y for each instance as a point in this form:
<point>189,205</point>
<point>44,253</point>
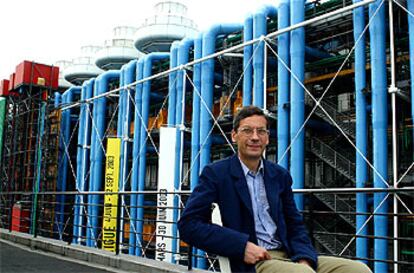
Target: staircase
<point>335,203</point>
<point>337,161</point>
<point>329,241</point>
<point>344,120</point>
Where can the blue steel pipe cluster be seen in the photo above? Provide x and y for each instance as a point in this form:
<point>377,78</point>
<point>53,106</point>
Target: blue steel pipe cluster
<point>290,110</point>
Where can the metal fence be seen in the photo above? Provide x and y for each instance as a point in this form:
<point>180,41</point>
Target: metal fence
<point>43,215</point>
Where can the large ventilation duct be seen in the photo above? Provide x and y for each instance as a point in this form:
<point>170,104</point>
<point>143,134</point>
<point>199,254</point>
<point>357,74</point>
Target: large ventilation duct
<point>260,30</point>
<point>361,131</point>
<point>183,58</point>
<point>195,118</point>
<point>172,83</point>
<point>297,98</point>
<point>82,156</point>
<point>169,23</point>
<point>247,61</point>
<point>283,83</point>
<point>119,50</point>
<point>97,152</point>
<point>83,67</point>
<point>64,144</point>
<point>195,130</point>
<point>124,121</point>
<point>379,128</point>
<point>57,100</point>
<point>135,156</point>
<point>148,62</point>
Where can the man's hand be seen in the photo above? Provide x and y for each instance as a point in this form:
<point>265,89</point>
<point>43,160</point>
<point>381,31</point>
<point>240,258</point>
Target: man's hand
<point>303,261</point>
<point>254,254</point>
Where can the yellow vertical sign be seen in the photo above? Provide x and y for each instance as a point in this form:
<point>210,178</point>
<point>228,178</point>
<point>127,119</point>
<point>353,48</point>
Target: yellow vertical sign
<point>110,213</point>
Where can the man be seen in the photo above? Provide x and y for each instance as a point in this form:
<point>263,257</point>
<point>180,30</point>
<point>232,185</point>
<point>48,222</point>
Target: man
<point>262,229</point>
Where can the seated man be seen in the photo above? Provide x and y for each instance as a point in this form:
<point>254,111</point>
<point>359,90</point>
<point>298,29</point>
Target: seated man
<point>262,229</point>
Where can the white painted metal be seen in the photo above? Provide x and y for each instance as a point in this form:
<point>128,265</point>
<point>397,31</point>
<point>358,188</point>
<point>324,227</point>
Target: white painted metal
<point>119,50</point>
<point>165,201</point>
<point>83,67</point>
<point>169,23</point>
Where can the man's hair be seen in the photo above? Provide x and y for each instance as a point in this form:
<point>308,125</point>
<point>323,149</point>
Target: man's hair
<point>248,111</point>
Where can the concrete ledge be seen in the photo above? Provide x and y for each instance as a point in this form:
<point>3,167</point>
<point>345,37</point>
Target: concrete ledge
<point>94,256</point>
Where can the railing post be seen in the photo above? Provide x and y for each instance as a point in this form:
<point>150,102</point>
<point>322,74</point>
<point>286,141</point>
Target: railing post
<point>118,221</point>
<point>11,213</point>
<point>190,257</point>
<point>36,213</point>
<point>71,216</point>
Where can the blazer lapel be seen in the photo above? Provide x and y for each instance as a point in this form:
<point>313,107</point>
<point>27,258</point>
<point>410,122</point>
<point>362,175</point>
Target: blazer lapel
<point>240,183</point>
<point>271,186</point>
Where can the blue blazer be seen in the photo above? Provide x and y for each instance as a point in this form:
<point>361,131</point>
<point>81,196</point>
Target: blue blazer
<point>224,183</point>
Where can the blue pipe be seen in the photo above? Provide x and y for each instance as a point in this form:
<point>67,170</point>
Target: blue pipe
<point>361,130</point>
<point>58,99</point>
<point>97,152</point>
<point>207,89</point>
<point>259,30</point>
<point>283,82</point>
<point>149,59</point>
<point>128,72</point>
<point>297,98</point>
<point>207,85</point>
<point>379,127</point>
<point>135,156</point>
<point>183,57</point>
<point>410,6</point>
<point>121,102</point>
<point>247,61</point>
<point>172,83</point>
<point>81,163</point>
<point>195,118</point>
<point>67,98</point>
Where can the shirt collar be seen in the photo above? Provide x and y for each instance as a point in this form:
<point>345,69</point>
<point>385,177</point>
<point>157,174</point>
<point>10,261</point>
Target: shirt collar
<point>246,170</point>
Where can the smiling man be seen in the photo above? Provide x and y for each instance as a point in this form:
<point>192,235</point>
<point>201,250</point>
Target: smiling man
<point>262,229</point>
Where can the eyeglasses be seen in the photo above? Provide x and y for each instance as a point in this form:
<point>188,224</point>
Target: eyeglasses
<point>248,131</point>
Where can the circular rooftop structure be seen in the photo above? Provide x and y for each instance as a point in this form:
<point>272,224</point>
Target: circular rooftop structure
<point>169,23</point>
<point>119,50</point>
<point>83,67</point>
<point>63,65</point>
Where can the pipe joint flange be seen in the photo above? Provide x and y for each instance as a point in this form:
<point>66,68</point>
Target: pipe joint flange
<point>182,127</point>
<point>269,114</point>
<point>393,89</point>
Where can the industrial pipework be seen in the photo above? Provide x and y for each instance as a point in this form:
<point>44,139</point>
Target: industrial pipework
<point>97,152</point>
<point>82,156</point>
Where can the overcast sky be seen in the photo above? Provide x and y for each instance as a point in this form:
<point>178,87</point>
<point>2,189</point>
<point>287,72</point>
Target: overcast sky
<point>49,30</point>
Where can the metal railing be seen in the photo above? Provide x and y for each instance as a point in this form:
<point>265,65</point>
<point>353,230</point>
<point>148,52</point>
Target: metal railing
<point>17,211</point>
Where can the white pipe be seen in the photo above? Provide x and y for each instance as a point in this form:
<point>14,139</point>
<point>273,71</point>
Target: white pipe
<point>393,90</point>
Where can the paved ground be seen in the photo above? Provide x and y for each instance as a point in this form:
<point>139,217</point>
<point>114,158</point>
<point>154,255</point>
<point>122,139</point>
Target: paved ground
<point>22,260</point>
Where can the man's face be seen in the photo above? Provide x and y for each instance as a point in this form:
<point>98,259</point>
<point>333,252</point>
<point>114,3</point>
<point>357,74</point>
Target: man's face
<point>251,137</point>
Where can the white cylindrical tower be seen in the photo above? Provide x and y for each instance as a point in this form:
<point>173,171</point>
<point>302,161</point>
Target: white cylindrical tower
<point>118,50</point>
<point>83,67</point>
<point>169,23</point>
